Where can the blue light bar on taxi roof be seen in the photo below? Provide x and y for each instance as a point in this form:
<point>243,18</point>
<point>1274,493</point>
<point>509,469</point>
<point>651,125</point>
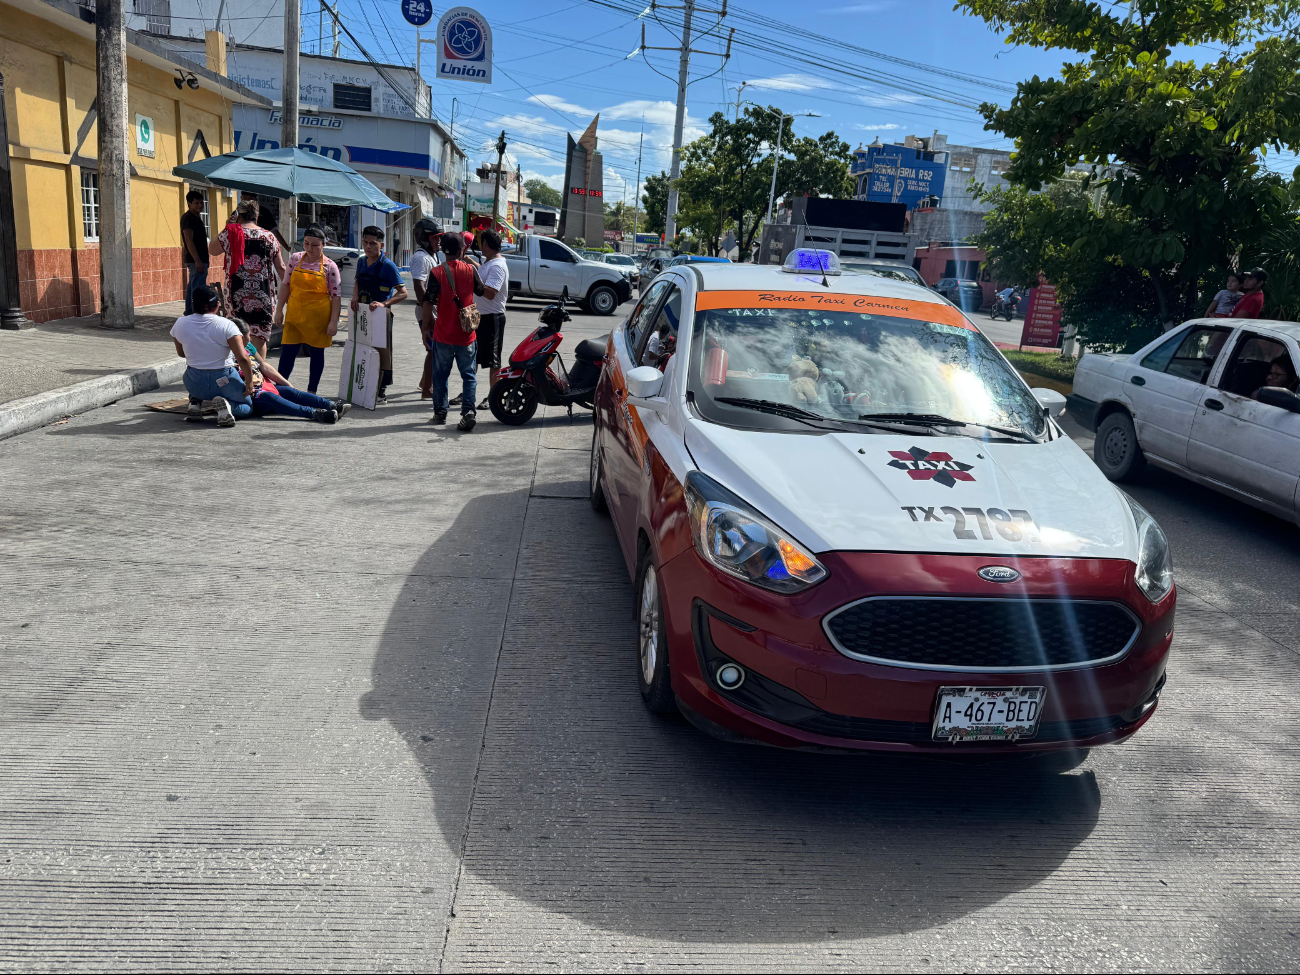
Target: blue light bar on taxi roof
<point>808,259</point>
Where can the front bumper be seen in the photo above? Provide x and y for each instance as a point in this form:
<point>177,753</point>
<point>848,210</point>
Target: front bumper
<point>800,692</point>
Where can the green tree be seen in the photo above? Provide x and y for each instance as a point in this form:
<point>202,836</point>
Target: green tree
<point>655,201</point>
<point>820,167</point>
<point>1175,145</point>
<point>542,194</point>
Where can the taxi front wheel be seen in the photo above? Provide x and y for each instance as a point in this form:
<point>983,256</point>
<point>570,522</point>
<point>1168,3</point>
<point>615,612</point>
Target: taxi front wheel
<point>1116,450</point>
<point>651,641</point>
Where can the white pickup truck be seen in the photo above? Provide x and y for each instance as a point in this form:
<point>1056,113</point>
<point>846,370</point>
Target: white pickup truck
<point>543,267</point>
<point>1213,400</point>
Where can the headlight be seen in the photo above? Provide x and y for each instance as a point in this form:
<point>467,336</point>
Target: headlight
<point>738,540</point>
<point>1155,563</point>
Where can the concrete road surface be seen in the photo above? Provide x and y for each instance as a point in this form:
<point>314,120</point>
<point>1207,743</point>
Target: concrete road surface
<point>291,697</point>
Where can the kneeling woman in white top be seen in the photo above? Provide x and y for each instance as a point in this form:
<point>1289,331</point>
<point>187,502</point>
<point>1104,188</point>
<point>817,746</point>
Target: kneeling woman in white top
<point>211,346</point>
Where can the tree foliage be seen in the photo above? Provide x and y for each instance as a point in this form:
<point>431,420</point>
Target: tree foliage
<point>1174,145</point>
<point>726,176</point>
<point>542,194</point>
<point>655,201</point>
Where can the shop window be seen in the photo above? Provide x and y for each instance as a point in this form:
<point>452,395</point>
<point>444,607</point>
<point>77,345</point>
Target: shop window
<point>353,97</point>
<point>90,206</point>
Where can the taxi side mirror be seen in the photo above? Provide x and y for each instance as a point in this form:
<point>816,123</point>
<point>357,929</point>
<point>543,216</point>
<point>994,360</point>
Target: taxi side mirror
<point>1052,402</point>
<point>644,384</point>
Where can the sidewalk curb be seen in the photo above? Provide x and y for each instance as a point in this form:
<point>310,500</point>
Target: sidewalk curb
<point>31,412</point>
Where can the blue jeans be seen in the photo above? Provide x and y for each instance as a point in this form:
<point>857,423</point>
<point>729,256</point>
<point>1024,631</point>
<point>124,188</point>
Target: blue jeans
<point>465,358</point>
<point>290,402</point>
<point>208,384</point>
<point>316,363</point>
<point>198,276</point>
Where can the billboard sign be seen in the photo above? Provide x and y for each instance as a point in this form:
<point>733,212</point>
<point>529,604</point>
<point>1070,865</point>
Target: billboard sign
<point>1042,318</point>
<point>464,46</point>
<point>897,174</point>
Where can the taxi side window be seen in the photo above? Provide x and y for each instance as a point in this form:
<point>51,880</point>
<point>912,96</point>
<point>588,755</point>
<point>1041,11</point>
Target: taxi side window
<point>640,317</point>
<point>670,314</point>
<point>1195,356</point>
<point>1258,361</point>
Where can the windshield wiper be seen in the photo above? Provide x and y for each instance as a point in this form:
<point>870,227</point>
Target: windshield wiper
<point>787,410</point>
<point>938,420</point>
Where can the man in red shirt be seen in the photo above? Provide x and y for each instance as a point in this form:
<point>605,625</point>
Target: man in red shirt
<point>1252,298</point>
<point>451,344</point>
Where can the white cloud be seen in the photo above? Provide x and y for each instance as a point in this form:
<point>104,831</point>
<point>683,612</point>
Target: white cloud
<point>560,105</point>
<point>886,100</point>
<point>890,127</point>
<point>791,82</point>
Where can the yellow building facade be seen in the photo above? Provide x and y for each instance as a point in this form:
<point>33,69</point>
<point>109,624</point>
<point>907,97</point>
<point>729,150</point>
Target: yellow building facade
<point>47,61</point>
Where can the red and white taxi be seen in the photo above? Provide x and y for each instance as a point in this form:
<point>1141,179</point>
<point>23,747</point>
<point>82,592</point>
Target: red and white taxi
<point>852,525</point>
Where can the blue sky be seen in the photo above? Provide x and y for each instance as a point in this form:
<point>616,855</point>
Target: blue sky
<point>558,62</point>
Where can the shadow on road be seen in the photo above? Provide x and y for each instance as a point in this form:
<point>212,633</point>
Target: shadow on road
<point>587,805</point>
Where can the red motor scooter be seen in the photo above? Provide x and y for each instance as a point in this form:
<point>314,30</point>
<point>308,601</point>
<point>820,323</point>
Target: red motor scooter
<point>536,373</point>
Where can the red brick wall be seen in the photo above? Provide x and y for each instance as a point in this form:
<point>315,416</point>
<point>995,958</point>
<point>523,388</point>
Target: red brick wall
<point>63,283</point>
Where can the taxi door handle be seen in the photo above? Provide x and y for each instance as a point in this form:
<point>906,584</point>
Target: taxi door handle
<point>1214,404</point>
<point>1138,381</point>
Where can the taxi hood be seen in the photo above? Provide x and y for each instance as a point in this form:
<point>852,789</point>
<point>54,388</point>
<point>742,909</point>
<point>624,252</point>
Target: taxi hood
<point>884,492</point>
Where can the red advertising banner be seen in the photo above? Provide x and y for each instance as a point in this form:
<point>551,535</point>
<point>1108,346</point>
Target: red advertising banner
<point>1042,318</point>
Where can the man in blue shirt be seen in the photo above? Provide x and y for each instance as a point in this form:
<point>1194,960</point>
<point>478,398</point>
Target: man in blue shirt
<point>379,285</point>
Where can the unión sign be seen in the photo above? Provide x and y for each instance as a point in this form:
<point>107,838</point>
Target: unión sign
<point>144,136</point>
<point>464,46</point>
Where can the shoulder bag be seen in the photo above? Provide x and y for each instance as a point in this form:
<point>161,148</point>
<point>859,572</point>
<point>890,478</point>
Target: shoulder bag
<point>469,316</point>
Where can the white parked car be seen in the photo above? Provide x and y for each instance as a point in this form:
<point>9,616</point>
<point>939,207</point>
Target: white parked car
<point>1214,400</point>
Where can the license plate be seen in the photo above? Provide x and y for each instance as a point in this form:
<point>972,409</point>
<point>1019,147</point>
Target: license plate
<point>987,713</point>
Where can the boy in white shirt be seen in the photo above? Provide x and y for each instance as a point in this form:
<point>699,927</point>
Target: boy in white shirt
<point>427,256</point>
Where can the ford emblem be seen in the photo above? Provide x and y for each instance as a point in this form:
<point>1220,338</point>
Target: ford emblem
<point>998,573</point>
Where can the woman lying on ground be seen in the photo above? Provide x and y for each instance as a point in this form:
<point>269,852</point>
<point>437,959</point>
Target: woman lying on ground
<point>275,395</point>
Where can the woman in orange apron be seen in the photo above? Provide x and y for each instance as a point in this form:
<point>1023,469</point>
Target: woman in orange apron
<point>309,306</point>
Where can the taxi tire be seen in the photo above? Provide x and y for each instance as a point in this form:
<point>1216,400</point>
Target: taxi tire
<point>1116,449</point>
<point>657,692</point>
<point>596,480</point>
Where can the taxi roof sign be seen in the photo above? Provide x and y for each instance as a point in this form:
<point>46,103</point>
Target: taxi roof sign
<point>805,259</point>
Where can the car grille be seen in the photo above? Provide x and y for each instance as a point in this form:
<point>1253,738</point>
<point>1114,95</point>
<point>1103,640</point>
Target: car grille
<point>949,633</point>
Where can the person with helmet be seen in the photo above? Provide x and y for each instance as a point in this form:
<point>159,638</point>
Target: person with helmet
<point>427,256</point>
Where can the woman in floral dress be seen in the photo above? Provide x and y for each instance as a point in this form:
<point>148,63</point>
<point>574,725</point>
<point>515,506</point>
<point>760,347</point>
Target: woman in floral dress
<point>253,264</point>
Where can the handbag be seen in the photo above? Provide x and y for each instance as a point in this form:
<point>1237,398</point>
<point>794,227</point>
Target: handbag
<point>469,316</point>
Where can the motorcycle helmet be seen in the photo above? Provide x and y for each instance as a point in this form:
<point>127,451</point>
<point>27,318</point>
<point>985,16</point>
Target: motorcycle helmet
<point>422,229</point>
<point>553,315</point>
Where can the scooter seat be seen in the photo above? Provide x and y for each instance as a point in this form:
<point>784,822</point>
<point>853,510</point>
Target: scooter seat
<point>592,350</point>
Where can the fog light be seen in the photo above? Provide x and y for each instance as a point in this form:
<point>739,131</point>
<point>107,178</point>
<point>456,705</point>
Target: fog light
<point>730,676</point>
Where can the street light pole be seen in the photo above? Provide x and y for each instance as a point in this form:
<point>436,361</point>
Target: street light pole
<point>776,158</point>
<point>496,192</point>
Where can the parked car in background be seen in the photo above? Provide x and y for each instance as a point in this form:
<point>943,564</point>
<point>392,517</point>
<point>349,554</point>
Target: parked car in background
<point>681,259</point>
<point>966,295</point>
<point>627,264</point>
<point>1212,401</point>
<point>543,267</point>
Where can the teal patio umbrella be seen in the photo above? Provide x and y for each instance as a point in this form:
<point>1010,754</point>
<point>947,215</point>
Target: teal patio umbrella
<point>290,172</point>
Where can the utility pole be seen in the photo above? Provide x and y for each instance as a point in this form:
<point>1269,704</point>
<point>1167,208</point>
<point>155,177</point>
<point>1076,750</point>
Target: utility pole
<point>683,69</point>
<point>289,98</point>
<point>636,194</point>
<point>683,72</point>
<point>116,292</point>
<point>496,192</point>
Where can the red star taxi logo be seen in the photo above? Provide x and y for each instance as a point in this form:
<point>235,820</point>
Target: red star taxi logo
<point>927,465</point>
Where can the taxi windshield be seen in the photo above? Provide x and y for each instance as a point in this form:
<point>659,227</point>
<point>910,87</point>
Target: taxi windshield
<point>776,368</point>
